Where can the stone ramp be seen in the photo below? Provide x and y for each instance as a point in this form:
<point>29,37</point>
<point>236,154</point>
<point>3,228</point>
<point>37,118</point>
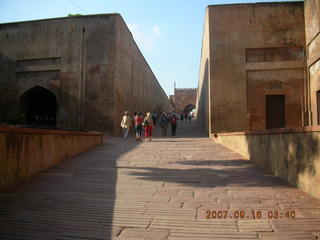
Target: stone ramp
<point>157,190</point>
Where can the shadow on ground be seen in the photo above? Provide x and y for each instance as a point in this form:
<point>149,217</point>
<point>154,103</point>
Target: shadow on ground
<point>74,200</point>
<point>205,173</point>
<point>224,173</point>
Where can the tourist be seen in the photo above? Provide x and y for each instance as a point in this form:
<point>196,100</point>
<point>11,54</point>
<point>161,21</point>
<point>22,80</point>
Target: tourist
<point>126,124</point>
<point>181,116</point>
<point>163,121</point>
<point>132,121</point>
<point>154,118</point>
<point>138,119</point>
<point>148,126</point>
<point>173,121</point>
<point>189,116</point>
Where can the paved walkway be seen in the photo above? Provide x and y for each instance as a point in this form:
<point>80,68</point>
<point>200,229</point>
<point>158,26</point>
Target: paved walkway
<point>157,190</point>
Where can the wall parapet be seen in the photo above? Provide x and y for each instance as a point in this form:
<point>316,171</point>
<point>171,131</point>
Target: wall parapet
<point>14,129</point>
<point>292,154</point>
<point>271,131</point>
<point>185,89</point>
<point>25,151</point>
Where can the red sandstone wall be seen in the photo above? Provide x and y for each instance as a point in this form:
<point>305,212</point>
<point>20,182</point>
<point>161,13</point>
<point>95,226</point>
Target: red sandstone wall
<point>251,45</point>
<point>90,63</point>
<point>136,88</point>
<point>203,94</point>
<point>292,154</point>
<point>184,97</point>
<point>72,57</point>
<point>312,19</point>
<point>24,152</point>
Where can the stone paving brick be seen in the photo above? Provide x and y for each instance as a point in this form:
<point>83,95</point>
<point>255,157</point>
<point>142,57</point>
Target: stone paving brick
<point>166,192</point>
<point>156,190</point>
<point>287,236</point>
<point>168,212</point>
<point>157,205</point>
<point>294,225</point>
<point>149,233</point>
<point>130,221</point>
<point>254,226</point>
<point>209,225</point>
<point>189,235</point>
<point>194,205</point>
<point>316,234</point>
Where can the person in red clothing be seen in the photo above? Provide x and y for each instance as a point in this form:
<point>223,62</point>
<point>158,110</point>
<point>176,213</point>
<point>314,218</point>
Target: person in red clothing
<point>138,119</point>
<point>148,126</point>
<point>173,121</point>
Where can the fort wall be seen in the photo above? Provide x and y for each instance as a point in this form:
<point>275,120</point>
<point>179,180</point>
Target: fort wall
<point>25,152</point>
<point>312,18</point>
<point>251,51</point>
<point>89,64</point>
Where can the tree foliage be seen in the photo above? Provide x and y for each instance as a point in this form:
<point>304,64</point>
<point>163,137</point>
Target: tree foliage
<point>74,15</point>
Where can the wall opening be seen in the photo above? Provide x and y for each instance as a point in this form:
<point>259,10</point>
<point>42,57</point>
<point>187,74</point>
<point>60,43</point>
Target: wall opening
<point>318,106</point>
<point>275,111</point>
<point>38,106</point>
<point>189,108</point>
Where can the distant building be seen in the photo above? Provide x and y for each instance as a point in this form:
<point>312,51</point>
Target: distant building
<point>75,73</point>
<point>184,99</point>
<point>253,72</point>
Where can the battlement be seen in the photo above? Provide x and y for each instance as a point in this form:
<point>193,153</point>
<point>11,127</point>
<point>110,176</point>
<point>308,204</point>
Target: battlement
<point>186,89</point>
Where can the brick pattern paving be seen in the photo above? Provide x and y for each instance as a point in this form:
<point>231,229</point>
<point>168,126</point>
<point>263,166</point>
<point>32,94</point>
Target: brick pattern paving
<point>157,190</point>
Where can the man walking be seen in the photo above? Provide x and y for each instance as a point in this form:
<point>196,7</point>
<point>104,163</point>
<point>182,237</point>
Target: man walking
<point>126,124</point>
<point>163,121</point>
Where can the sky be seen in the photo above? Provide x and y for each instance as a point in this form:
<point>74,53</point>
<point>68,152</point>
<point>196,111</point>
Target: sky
<point>168,32</point>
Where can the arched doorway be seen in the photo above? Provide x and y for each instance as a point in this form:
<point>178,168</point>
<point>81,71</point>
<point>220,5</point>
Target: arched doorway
<point>189,108</point>
<point>38,106</point>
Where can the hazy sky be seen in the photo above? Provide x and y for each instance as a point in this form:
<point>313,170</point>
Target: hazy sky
<point>168,32</point>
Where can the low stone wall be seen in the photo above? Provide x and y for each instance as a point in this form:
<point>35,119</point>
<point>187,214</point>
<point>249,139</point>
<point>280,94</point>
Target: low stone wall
<point>292,154</point>
<point>24,152</point>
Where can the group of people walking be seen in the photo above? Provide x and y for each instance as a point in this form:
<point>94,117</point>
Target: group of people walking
<point>187,116</point>
<point>139,122</point>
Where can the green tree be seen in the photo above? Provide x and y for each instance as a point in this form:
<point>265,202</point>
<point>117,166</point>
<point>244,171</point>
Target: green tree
<point>74,15</point>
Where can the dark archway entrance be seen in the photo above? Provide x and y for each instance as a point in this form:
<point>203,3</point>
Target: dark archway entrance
<point>189,108</point>
<point>38,106</point>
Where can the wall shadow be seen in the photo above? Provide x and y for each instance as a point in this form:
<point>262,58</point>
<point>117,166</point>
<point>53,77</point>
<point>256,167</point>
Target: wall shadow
<point>203,100</point>
<point>7,95</point>
<point>219,173</point>
<point>288,155</point>
<point>229,163</point>
<point>73,200</point>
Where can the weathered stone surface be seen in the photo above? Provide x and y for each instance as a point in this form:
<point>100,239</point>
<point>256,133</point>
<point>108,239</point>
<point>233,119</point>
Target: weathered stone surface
<point>25,152</point>
<point>164,193</point>
<point>90,64</point>
<point>184,99</point>
<point>293,155</point>
<point>312,21</point>
<point>250,51</point>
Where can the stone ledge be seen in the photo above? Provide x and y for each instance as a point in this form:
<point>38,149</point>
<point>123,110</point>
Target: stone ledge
<point>271,131</point>
<point>46,131</point>
<point>25,152</point>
